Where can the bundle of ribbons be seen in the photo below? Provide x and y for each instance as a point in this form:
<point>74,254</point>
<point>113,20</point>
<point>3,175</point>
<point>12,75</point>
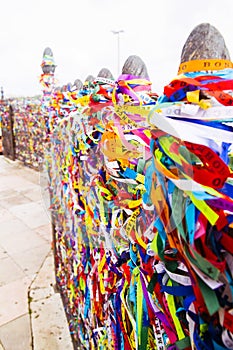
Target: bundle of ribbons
<point>28,129</point>
<point>62,103</point>
<point>142,199</point>
<point>191,186</point>
<point>100,155</point>
<point>48,83</point>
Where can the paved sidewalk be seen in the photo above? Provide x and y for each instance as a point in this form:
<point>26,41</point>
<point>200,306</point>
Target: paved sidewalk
<point>31,312</point>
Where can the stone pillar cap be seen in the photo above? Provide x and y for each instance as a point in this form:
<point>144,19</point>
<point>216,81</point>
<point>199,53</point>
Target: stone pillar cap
<point>204,42</point>
<point>105,73</point>
<point>134,65</point>
<point>78,84</point>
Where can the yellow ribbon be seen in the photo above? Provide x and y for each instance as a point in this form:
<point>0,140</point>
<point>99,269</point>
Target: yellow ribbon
<point>172,309</point>
<point>204,65</point>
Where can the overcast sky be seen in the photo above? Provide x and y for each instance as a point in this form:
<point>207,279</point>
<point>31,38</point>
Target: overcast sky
<point>79,34</point>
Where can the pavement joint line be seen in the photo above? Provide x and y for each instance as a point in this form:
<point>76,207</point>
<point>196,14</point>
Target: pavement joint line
<point>1,346</point>
<point>30,319</point>
<point>10,321</point>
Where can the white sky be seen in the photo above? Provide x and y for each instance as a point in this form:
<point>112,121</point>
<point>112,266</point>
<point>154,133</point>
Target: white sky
<point>79,34</point>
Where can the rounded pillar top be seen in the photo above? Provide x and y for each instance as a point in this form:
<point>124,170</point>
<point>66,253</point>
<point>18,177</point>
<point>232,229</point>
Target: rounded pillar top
<point>134,65</point>
<point>48,65</point>
<point>204,42</point>
<point>105,73</point>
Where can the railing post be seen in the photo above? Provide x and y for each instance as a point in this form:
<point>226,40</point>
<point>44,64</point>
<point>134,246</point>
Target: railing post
<point>8,142</point>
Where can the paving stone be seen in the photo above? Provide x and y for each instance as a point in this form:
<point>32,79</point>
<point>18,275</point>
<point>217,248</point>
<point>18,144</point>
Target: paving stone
<point>14,300</point>
<point>36,220</point>
<point>43,285</point>
<point>33,194</point>
<point>26,208</point>
<point>5,214</point>
<point>20,241</point>
<point>49,324</point>
<point>6,192</point>
<point>14,200</point>
<point>30,260</point>
<point>17,183</point>
<point>30,175</point>
<point>16,335</point>
<point>45,231</point>
<point>9,271</point>
<point>33,214</point>
<point>10,227</point>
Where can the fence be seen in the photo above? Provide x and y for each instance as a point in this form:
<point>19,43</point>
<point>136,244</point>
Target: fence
<point>8,142</point>
<point>82,207</point>
<point>24,131</point>
<point>142,202</point>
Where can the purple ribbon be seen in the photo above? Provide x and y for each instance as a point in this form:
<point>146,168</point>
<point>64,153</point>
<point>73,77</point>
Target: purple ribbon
<point>130,77</point>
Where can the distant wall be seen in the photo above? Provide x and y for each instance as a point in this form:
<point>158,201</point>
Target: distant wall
<point>28,130</point>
